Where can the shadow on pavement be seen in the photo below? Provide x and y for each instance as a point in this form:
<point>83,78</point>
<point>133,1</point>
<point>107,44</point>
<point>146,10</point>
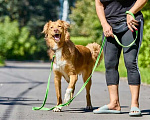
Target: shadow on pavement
<point>146,112</point>
<point>79,110</point>
<point>12,103</point>
<point>26,67</point>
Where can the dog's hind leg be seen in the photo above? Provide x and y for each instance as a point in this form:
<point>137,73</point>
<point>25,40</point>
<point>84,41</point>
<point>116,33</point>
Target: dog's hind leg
<point>71,87</point>
<point>85,76</point>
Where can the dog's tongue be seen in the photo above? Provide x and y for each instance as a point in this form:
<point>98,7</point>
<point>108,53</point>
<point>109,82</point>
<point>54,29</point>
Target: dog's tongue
<point>57,37</point>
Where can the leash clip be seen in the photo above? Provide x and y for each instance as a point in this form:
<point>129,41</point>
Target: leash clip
<point>53,57</point>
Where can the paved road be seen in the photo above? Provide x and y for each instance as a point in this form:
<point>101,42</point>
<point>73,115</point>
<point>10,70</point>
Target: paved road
<point>23,85</point>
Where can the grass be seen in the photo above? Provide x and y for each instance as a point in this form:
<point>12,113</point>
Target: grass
<point>81,40</point>
<point>1,61</point>
<point>145,77</point>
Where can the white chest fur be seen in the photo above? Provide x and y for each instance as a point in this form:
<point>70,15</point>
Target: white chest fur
<point>60,64</point>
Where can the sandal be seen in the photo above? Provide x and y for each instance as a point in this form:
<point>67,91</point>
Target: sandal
<point>105,110</point>
<point>133,113</point>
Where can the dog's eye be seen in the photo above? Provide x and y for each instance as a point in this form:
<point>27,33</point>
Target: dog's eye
<point>59,26</point>
<point>51,27</point>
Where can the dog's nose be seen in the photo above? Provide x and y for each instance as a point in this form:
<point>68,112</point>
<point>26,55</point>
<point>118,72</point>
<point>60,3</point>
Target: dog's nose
<point>55,30</point>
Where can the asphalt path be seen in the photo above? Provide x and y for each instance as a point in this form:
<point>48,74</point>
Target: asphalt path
<point>23,86</point>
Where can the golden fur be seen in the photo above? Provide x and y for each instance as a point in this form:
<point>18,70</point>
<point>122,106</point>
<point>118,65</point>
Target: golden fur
<point>70,59</point>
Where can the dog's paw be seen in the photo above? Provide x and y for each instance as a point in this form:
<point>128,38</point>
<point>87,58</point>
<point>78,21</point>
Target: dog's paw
<point>57,109</point>
<point>68,95</point>
<point>89,108</point>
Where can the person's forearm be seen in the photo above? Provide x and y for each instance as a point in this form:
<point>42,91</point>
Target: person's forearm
<point>138,6</point>
<point>100,12</point>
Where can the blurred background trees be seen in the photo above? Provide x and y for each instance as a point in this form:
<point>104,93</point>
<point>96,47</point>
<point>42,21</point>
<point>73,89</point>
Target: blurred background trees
<point>25,19</point>
<point>84,20</point>
<point>144,54</point>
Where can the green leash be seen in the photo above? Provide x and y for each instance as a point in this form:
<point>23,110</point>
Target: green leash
<point>47,90</point>
<point>65,104</point>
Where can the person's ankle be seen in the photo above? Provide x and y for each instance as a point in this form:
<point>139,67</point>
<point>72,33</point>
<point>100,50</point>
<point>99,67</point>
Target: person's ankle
<point>114,105</point>
<point>135,104</point>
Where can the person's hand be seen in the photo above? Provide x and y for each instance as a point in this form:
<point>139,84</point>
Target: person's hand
<point>131,22</point>
<point>107,29</point>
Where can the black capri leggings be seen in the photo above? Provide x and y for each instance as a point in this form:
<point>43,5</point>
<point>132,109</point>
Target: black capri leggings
<point>112,51</point>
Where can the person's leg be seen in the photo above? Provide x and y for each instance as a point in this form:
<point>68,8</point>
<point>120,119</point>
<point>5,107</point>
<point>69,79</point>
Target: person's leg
<point>135,89</point>
<point>111,55</point>
<point>114,98</point>
<point>131,63</point>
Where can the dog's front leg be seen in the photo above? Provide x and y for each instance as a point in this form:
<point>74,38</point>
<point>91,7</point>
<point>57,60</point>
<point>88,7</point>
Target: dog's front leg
<point>70,89</point>
<point>57,81</point>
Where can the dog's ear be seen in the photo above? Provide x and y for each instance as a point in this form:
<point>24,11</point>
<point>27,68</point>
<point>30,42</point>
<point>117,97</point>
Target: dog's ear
<point>45,29</point>
<point>66,25</point>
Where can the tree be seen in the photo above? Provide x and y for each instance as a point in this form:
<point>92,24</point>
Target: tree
<point>84,20</point>
<point>16,43</point>
<point>31,13</point>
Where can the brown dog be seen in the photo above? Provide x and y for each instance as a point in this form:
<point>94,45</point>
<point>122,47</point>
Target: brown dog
<point>70,60</point>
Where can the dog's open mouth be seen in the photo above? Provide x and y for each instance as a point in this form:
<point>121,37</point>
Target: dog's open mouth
<point>57,37</point>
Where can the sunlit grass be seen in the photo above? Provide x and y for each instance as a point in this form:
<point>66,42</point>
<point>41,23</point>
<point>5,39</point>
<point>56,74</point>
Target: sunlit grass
<point>1,61</point>
<point>145,75</point>
<point>81,40</point>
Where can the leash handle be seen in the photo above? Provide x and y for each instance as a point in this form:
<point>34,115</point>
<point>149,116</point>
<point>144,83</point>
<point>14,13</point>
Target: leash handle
<point>116,38</point>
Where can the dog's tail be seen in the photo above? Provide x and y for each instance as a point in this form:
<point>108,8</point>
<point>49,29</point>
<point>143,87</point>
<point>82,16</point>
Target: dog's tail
<point>95,49</point>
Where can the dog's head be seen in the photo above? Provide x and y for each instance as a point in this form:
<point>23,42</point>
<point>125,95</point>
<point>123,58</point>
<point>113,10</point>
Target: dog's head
<point>56,33</point>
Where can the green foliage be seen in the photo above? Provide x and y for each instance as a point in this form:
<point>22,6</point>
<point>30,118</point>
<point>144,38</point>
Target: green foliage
<point>84,20</point>
<point>15,43</point>
<point>30,13</point>
<point>144,56</point>
<point>1,61</point>
<point>30,17</point>
<point>145,75</point>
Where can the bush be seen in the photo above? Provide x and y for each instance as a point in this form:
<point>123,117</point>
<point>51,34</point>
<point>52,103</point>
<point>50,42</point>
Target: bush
<point>15,42</point>
<point>144,56</point>
<point>84,21</point>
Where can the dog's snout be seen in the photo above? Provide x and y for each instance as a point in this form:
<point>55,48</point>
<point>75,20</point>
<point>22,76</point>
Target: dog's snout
<point>55,30</point>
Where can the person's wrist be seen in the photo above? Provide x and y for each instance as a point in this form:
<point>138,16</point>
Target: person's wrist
<point>104,24</point>
<point>130,13</point>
